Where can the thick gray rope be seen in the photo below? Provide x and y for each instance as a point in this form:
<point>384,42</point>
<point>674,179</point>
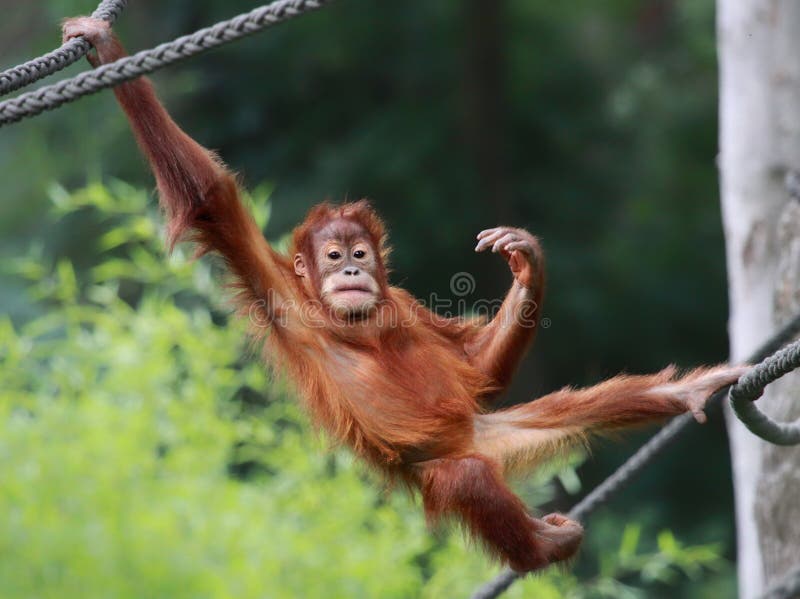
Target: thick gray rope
<point>147,61</point>
<point>60,58</point>
<point>636,463</point>
<point>750,387</point>
<point>787,587</point>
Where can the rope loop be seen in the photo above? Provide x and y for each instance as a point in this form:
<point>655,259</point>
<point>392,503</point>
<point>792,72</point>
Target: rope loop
<point>750,387</point>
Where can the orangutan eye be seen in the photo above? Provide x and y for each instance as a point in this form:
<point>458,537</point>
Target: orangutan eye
<point>334,255</point>
<point>359,254</point>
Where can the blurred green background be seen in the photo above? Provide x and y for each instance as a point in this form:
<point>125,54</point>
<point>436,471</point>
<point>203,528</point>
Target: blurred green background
<point>145,453</point>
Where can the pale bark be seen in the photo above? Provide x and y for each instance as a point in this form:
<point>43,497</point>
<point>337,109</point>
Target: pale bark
<point>759,56</point>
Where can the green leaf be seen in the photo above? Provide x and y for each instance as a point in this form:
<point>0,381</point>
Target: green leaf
<point>630,542</point>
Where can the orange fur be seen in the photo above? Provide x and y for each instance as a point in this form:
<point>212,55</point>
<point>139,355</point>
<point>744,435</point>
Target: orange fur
<point>404,388</point>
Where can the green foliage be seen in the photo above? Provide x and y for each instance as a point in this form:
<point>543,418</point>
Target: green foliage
<point>145,454</point>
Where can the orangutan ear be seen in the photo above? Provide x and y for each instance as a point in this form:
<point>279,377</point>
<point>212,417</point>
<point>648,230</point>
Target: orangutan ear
<point>300,266</point>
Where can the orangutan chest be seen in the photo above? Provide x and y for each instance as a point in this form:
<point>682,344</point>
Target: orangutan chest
<point>395,379</point>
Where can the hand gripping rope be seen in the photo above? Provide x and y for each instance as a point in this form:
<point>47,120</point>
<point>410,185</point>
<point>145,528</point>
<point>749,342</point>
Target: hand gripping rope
<point>147,61</point>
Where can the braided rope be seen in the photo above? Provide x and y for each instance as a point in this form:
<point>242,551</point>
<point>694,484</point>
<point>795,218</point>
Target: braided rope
<point>60,58</point>
<point>751,386</point>
<point>636,463</point>
<point>147,61</point>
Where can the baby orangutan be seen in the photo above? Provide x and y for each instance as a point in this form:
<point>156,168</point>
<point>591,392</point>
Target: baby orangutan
<point>409,391</point>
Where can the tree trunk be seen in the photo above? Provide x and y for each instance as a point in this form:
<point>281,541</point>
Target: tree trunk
<point>759,56</point>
